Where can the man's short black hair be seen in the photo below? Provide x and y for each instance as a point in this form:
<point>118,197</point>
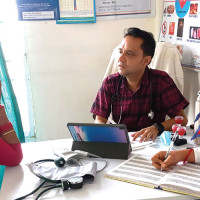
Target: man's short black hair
<point>149,43</point>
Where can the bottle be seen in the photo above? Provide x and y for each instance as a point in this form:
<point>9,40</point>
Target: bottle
<point>197,123</point>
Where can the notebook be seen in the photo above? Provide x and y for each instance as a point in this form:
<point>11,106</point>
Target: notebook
<point>107,140</point>
<point>139,170</point>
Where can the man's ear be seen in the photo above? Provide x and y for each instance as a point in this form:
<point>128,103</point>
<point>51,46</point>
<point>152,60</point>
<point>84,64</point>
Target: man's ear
<point>147,60</point>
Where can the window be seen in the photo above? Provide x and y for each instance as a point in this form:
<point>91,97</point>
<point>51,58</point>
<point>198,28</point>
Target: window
<point>12,41</point>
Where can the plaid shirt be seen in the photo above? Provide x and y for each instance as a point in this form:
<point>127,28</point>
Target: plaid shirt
<point>166,100</point>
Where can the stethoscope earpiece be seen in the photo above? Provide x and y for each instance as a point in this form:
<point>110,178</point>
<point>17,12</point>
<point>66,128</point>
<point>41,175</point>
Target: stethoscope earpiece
<point>59,162</point>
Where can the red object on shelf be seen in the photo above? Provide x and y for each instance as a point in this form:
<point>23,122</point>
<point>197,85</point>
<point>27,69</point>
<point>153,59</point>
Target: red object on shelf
<point>179,119</point>
<point>181,130</point>
<point>174,127</point>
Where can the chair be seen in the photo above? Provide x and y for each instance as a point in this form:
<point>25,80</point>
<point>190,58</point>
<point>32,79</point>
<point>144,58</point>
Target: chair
<point>167,57</point>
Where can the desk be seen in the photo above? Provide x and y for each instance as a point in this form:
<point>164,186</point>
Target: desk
<point>19,181</point>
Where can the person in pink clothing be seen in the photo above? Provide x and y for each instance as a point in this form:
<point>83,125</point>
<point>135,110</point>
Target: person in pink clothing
<point>10,146</point>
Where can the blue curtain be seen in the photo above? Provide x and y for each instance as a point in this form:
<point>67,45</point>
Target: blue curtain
<point>8,99</point>
<point>2,168</point>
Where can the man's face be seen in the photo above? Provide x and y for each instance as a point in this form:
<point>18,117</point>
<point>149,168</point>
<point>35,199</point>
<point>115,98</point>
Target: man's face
<point>132,62</point>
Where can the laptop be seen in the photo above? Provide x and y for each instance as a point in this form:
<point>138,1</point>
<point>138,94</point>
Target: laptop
<point>106,140</point>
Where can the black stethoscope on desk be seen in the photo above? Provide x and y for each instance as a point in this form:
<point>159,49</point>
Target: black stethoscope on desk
<point>118,97</point>
<point>74,181</point>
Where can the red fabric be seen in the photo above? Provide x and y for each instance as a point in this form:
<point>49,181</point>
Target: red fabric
<point>10,154</point>
<point>166,100</point>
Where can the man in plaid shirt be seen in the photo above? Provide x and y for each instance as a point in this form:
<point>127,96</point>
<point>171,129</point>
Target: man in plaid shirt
<point>131,93</point>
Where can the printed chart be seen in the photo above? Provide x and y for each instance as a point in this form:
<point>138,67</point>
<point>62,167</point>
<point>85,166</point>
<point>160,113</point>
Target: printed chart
<point>122,7</point>
<point>180,25</point>
<point>77,11</point>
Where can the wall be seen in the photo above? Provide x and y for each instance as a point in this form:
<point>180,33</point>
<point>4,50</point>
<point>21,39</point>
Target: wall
<point>67,63</point>
<point>191,87</point>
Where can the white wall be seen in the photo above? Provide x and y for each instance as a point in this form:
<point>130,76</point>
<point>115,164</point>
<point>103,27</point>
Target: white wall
<point>191,87</point>
<point>67,63</point>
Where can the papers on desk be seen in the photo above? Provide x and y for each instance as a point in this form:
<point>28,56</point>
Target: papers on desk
<point>139,170</point>
<point>136,145</point>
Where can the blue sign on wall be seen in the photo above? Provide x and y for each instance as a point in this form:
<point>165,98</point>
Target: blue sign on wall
<point>182,8</point>
<point>38,9</point>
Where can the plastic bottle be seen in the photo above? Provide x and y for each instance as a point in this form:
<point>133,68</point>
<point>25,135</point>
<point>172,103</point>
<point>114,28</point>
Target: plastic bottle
<point>197,123</point>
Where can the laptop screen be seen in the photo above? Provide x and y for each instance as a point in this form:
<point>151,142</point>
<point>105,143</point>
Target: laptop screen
<point>98,132</point>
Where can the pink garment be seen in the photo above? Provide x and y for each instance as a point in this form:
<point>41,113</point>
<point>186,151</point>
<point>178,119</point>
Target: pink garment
<point>198,33</point>
<point>195,34</point>
<point>10,154</point>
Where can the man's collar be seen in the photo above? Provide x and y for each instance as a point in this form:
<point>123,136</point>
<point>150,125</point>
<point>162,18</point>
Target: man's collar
<point>145,81</point>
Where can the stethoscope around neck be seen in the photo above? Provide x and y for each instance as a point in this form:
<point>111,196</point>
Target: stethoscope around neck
<point>118,97</point>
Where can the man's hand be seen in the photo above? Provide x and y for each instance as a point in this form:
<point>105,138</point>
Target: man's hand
<point>146,134</point>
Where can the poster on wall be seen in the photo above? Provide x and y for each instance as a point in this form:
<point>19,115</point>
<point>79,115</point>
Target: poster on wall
<point>77,11</point>
<point>122,7</point>
<point>29,10</point>
<point>181,25</point>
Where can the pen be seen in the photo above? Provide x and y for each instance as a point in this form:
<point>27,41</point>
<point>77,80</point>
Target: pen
<point>171,144</point>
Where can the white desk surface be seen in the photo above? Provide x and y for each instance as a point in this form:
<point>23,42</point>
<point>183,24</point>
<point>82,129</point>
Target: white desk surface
<point>19,181</point>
